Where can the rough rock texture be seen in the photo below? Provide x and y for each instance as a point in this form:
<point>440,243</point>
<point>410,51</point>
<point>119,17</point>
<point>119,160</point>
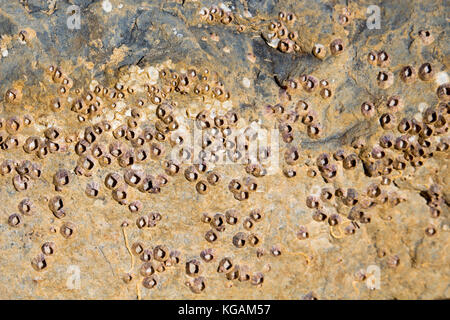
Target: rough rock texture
<point>387,219</point>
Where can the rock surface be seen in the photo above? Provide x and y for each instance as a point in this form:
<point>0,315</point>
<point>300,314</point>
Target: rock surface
<point>387,217</point>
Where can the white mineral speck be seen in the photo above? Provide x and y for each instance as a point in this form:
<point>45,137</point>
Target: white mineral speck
<point>224,7</point>
<point>107,6</point>
<point>246,82</point>
<point>273,43</point>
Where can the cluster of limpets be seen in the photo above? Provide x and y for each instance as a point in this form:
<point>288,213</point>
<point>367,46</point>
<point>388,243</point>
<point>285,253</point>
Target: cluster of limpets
<point>402,143</point>
<point>216,14</point>
<point>219,223</point>
<point>122,145</point>
<point>158,259</point>
<point>282,34</point>
<point>131,140</point>
<point>154,262</point>
<point>348,208</point>
<point>301,113</point>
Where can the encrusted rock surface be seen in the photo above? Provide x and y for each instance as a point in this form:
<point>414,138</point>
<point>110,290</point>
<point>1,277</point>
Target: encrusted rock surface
<point>102,193</point>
